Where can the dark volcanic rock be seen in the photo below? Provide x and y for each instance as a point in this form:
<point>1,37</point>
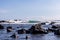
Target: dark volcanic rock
<point>14,36</point>
<point>52,23</point>
<point>53,28</point>
<point>2,21</point>
<point>36,29</point>
<point>57,32</point>
<point>9,29</point>
<point>27,31</point>
<point>43,23</point>
<point>1,27</point>
<point>21,31</point>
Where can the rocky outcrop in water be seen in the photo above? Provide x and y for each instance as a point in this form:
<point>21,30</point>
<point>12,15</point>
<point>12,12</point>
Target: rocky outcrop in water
<point>14,36</point>
<point>21,31</point>
<point>57,32</point>
<point>37,29</point>
<point>43,23</point>
<point>9,29</point>
<point>52,23</point>
<point>1,27</point>
<point>53,28</point>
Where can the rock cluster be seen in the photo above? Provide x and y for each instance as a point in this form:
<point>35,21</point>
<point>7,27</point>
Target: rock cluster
<point>55,29</point>
<point>37,29</point>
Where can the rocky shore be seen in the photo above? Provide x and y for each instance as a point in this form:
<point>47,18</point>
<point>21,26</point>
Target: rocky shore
<point>34,29</point>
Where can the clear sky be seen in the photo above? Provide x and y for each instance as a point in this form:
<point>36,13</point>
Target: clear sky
<point>30,9</point>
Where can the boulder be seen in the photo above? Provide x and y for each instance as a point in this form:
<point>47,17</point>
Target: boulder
<point>37,29</point>
<point>1,27</point>
<point>14,36</point>
<point>57,32</point>
<point>27,31</point>
<point>9,28</point>
<point>43,23</point>
<point>52,23</point>
<point>53,28</point>
<point>21,31</point>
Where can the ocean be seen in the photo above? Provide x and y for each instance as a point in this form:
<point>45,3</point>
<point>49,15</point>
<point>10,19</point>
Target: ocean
<point>6,36</point>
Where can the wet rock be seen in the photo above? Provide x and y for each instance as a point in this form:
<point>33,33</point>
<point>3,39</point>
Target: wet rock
<point>21,31</point>
<point>1,27</point>
<point>37,29</point>
<point>51,23</point>
<point>43,23</point>
<point>27,37</point>
<point>2,21</point>
<point>14,36</point>
<point>27,31</point>
<point>9,29</point>
<point>57,32</point>
<point>53,28</point>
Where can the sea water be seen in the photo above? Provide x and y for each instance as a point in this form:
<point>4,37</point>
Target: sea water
<point>6,36</point>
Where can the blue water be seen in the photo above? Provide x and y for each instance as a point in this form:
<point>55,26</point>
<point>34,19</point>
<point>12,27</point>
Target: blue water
<point>6,36</point>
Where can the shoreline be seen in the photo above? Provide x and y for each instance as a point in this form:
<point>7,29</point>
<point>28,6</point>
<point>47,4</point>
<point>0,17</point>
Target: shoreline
<point>18,23</point>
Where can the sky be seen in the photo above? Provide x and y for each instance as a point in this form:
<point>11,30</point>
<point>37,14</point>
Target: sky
<point>30,9</point>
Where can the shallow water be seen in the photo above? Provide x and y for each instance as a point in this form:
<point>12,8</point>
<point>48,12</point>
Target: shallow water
<point>6,36</point>
<point>49,36</point>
